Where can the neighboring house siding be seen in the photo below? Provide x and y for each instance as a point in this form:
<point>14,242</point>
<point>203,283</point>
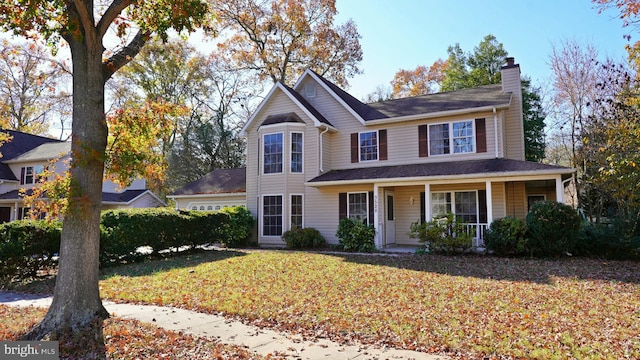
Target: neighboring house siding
<point>213,201</point>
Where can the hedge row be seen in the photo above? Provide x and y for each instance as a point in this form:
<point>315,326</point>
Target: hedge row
<point>125,236</point>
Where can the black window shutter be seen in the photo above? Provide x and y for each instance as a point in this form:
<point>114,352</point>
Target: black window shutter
<point>342,206</point>
<point>354,147</point>
<point>371,207</point>
<point>482,199</point>
<point>481,136</point>
<point>22,176</point>
<point>423,207</point>
<point>423,141</point>
<point>382,144</point>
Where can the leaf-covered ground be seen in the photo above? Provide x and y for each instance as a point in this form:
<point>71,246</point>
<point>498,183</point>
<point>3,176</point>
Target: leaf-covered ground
<point>465,306</point>
<point>124,339</point>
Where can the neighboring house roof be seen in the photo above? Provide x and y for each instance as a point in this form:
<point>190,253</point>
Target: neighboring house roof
<point>21,143</point>
<point>18,145</point>
<point>449,169</point>
<point>124,197</point>
<point>46,151</point>
<point>220,181</point>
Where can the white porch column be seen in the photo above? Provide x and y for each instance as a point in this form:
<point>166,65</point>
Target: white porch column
<point>489,203</point>
<point>427,202</point>
<point>377,220</point>
<point>559,189</point>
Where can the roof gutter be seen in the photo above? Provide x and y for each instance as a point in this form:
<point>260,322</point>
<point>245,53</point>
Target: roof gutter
<point>437,114</point>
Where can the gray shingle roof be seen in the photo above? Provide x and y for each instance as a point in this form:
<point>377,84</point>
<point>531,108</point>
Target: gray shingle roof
<point>45,151</point>
<point>449,168</point>
<point>478,97</point>
<point>308,106</point>
<point>220,181</point>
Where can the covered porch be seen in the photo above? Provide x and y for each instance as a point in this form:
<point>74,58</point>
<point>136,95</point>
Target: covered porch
<point>476,192</point>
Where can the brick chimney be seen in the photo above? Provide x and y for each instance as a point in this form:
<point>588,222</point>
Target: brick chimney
<point>513,121</point>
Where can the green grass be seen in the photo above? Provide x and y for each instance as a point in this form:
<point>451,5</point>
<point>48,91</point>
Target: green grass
<point>468,306</point>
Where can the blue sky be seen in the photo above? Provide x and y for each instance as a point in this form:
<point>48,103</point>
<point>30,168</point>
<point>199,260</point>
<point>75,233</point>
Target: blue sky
<point>403,34</point>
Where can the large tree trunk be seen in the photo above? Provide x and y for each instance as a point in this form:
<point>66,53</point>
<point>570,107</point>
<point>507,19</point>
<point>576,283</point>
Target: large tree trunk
<point>76,300</point>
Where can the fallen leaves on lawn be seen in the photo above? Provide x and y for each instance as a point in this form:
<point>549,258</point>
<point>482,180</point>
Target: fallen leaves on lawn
<point>125,339</point>
<point>476,306</point>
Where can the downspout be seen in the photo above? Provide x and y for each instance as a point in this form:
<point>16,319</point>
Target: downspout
<point>326,129</point>
<point>495,131</point>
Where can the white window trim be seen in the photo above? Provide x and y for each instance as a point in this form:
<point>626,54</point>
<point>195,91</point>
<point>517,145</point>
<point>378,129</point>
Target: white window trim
<point>451,145</point>
<point>262,216</point>
<point>284,160</point>
<point>377,146</point>
<point>291,151</point>
<point>291,209</point>
<point>367,199</point>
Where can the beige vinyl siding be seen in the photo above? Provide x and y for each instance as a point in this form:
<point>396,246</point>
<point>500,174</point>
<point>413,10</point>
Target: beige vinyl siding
<point>514,127</point>
<point>516,199</point>
<point>322,208</point>
<point>406,213</point>
<point>402,143</point>
<point>499,203</point>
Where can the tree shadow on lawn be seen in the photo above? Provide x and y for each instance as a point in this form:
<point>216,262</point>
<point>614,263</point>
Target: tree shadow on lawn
<point>191,258</point>
<point>540,271</point>
<point>181,260</point>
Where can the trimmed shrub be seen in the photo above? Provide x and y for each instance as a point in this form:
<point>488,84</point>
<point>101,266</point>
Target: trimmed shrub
<point>237,228</point>
<point>354,235</point>
<point>442,234</point>
<point>304,238</point>
<point>553,228</point>
<point>27,246</point>
<point>507,237</point>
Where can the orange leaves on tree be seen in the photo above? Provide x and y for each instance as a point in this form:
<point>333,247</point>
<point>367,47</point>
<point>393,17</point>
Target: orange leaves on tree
<point>134,142</point>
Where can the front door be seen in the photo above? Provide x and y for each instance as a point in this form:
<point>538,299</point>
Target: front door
<point>390,219</point>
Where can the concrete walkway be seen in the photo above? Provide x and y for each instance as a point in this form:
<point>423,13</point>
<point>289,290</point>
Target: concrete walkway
<point>261,341</point>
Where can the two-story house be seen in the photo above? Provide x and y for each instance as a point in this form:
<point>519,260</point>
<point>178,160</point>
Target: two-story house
<point>26,156</point>
<point>316,154</point>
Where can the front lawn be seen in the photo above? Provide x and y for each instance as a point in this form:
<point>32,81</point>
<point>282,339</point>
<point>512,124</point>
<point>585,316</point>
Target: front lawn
<point>569,308</point>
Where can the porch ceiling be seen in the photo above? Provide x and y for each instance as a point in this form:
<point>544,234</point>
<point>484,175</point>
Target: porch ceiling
<point>439,170</point>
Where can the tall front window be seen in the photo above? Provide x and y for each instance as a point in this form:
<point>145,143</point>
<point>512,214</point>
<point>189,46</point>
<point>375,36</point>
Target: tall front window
<point>462,137</point>
<point>296,152</point>
<point>439,139</point>
<point>272,215</point>
<point>369,146</point>
<point>273,153</point>
<point>296,212</point>
<point>451,138</point>
<point>358,207</point>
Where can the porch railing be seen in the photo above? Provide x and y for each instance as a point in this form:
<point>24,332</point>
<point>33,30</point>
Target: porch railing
<point>479,230</point>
